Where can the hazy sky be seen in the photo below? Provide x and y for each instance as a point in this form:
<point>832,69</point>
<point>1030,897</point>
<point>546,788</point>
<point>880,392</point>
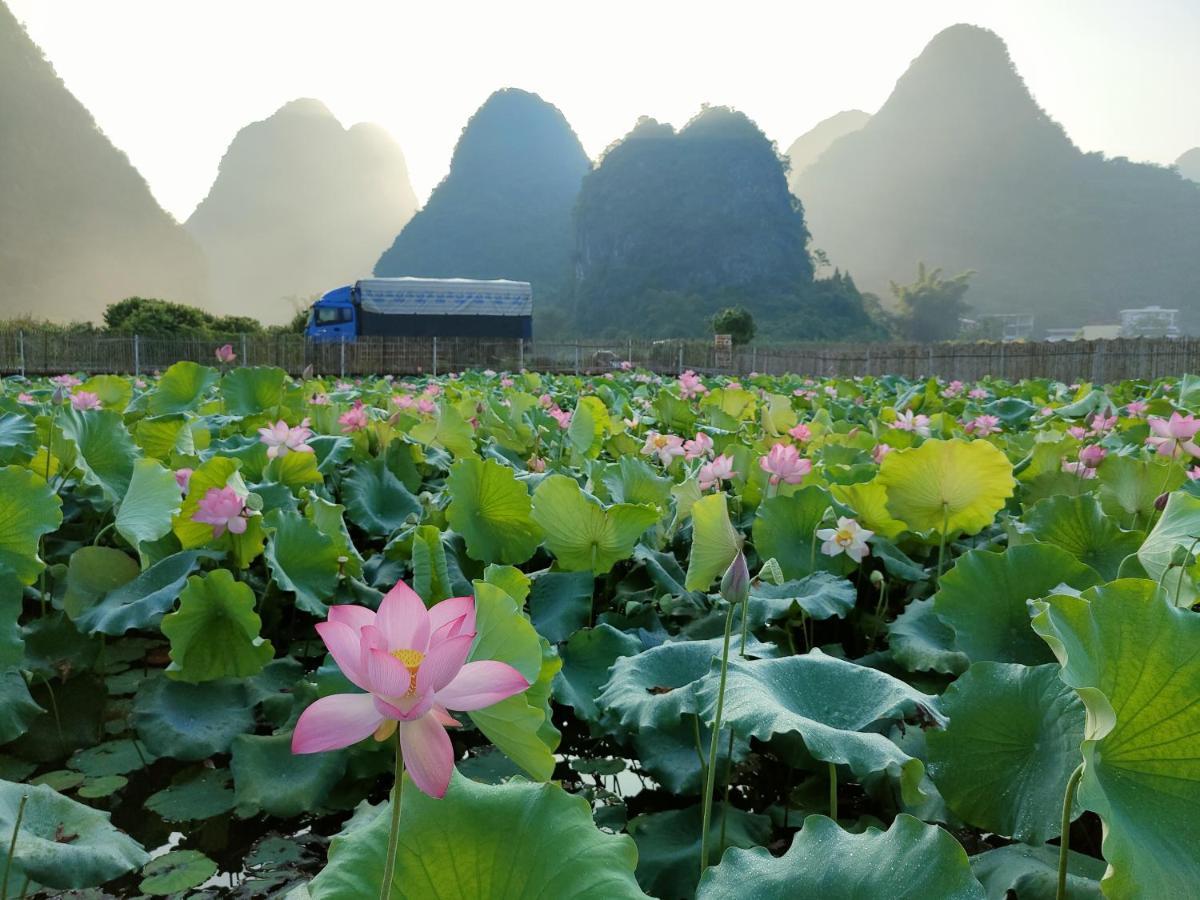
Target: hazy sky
<point>171,81</point>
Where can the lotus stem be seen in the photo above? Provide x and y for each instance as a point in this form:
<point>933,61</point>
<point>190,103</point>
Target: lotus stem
<point>389,865</point>
<point>1182,571</point>
<point>729,750</point>
<point>833,791</point>
<point>1064,841</point>
<point>12,848</point>
<point>710,781</point>
<point>942,542</point>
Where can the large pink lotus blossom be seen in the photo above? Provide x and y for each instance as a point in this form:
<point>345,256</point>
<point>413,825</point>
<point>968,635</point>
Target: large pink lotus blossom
<point>784,463</point>
<point>225,354</point>
<point>701,446</point>
<point>404,401</point>
<point>666,446</point>
<point>353,419</point>
<point>426,407</point>
<point>690,385</point>
<point>711,474</point>
<point>1173,437</point>
<point>222,508</point>
<point>411,662</point>
<point>909,421</point>
<point>282,439</point>
<point>82,400</point>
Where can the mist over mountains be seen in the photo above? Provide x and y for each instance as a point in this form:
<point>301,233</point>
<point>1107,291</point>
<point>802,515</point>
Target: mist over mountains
<point>807,148</point>
<point>1188,164</point>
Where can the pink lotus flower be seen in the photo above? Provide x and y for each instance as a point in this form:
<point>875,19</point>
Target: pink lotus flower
<point>546,401</point>
<point>711,474</point>
<point>354,419</point>
<point>343,386</point>
<point>880,451</point>
<point>801,433</point>
<point>908,421</point>
<point>404,401</point>
<point>1078,468</point>
<point>1137,408</point>
<point>1102,423</point>
<point>319,399</point>
<point>1046,411</point>
<point>701,446</point>
<point>82,400</point>
<point>65,381</point>
<point>281,439</point>
<point>25,398</point>
<point>666,446</point>
<point>225,354</point>
<point>982,426</point>
<point>690,385</point>
<point>626,365</point>
<point>955,388</point>
<point>183,478</point>
<point>783,463</point>
<point>561,416</point>
<point>1193,474</point>
<point>535,464</point>
<point>830,391</point>
<point>1092,455</point>
<point>222,508</point>
<point>1078,432</point>
<point>506,382</point>
<point>977,394</point>
<point>425,406</point>
<point>1172,437</point>
<point>411,662</point>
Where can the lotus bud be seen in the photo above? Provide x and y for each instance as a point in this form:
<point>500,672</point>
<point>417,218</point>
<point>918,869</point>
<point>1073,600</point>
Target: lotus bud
<point>1160,502</point>
<point>254,502</point>
<point>1092,455</point>
<point>735,584</point>
<point>60,394</point>
<point>877,579</point>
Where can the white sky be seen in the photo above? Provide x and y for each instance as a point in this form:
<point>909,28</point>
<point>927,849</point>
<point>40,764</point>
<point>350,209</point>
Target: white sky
<point>171,81</point>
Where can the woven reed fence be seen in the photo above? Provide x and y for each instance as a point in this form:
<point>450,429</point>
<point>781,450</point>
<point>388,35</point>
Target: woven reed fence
<point>51,353</point>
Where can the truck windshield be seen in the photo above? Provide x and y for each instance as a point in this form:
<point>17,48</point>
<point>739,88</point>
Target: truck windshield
<point>332,315</point>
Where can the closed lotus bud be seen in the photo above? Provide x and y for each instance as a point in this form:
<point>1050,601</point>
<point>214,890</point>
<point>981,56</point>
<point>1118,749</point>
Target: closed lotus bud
<point>1092,455</point>
<point>877,578</point>
<point>735,584</point>
<point>60,394</point>
<point>1160,502</point>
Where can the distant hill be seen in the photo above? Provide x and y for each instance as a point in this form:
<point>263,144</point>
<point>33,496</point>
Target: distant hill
<point>809,146</point>
<point>78,225</point>
<point>672,226</point>
<point>300,205</point>
<point>504,209</point>
<point>1189,164</point>
<point>963,170</point>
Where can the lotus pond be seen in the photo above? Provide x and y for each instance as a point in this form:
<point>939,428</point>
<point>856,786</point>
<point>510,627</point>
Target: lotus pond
<point>621,636</point>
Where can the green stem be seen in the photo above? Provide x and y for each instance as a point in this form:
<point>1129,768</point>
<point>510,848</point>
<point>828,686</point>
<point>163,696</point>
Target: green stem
<point>12,847</point>
<point>942,543</point>
<point>879,608</point>
<point>729,750</point>
<point>710,782</point>
<point>1064,845</point>
<point>1155,513</point>
<point>833,791</point>
<point>1182,571</point>
<point>699,744</point>
<point>389,865</point>
<point>102,532</point>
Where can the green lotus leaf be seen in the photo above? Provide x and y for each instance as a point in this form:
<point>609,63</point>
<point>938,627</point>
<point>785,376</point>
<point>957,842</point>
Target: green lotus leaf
<point>947,486</point>
<point>28,510</point>
<point>509,579</point>
<point>909,861</point>
<point>831,705</point>
<point>921,642</point>
<point>431,575</point>
<point>715,543</point>
<point>12,644</point>
<point>1179,527</point>
<point>215,631</point>
<point>191,721</point>
<point>328,518</point>
<point>586,659</point>
<point>1135,661</point>
<point>632,480</point>
<point>820,595</point>
<point>161,436</point>
<point>253,390</point>
<point>60,779</point>
<point>560,603</point>
<point>785,530</point>
<point>294,470</point>
<point>1031,873</point>
<point>106,452</point>
<point>491,510</point>
<point>1079,526</point>
<point>668,844</point>
<point>983,599</point>
<point>869,500</point>
<point>200,796</point>
<point>217,472</point>
<point>100,786</point>
<point>1003,760</point>
<point>589,425</point>
<point>446,428</point>
<point>669,754</point>
<point>18,439</point>
<point>303,560</point>
<point>503,842</point>
<point>142,601</point>
<point>111,758</point>
<point>176,871</point>
<point>94,853</point>
<point>181,388</point>
<point>376,500</point>
<point>1129,486</point>
<point>114,391</point>
<point>147,509</point>
<point>18,710</point>
<point>268,777</point>
<point>80,704</point>
<point>580,532</point>
<point>91,573</point>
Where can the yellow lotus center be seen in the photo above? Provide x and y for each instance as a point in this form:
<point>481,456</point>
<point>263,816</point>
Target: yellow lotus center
<point>660,441</point>
<point>844,537</point>
<point>411,660</point>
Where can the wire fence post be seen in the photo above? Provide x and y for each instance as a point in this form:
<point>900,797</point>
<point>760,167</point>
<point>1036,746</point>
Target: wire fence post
<point>21,350</point>
<point>137,355</point>
<point>435,357</point>
<point>520,354</point>
<point>245,357</point>
<point>343,357</point>
<point>681,357</point>
<point>629,354</point>
<point>754,359</point>
<point>577,357</point>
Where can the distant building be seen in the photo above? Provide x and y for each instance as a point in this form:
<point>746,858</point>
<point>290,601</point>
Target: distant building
<point>1100,332</point>
<point>1008,326</point>
<point>1063,334</point>
<point>1149,321</point>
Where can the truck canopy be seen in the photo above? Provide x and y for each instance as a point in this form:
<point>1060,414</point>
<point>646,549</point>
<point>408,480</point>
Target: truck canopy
<point>443,297</point>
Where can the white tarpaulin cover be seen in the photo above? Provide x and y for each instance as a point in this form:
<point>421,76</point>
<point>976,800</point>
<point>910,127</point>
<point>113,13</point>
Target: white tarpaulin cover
<point>445,297</point>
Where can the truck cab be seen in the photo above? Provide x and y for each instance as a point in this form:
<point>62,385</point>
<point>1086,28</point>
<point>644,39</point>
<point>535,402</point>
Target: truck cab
<point>333,317</point>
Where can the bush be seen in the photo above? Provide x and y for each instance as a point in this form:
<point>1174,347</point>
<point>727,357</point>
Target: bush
<point>736,322</point>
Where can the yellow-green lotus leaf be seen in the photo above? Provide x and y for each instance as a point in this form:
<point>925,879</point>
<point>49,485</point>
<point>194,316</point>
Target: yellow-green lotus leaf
<point>869,500</point>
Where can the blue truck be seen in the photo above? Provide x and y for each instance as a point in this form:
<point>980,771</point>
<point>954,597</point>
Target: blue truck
<point>423,307</point>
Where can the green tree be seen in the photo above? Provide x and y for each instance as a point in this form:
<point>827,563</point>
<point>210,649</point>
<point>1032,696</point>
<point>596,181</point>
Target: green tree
<point>736,322</point>
<point>142,315</point>
<point>931,307</point>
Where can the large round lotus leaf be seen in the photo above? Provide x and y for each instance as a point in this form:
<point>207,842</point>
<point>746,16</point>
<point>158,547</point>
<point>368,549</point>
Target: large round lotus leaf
<point>1135,661</point>
<point>200,797</point>
<point>114,391</point>
<point>1179,527</point>
<point>176,871</point>
<point>17,708</point>
<point>216,472</point>
<point>869,499</point>
<point>1003,760</point>
<point>191,721</point>
<point>491,510</point>
<point>80,704</point>
<point>590,422</point>
<point>1129,486</point>
<point>303,560</point>
<point>586,659</point>
<point>94,571</point>
<point>714,542</point>
<point>376,500</point>
<point>921,642</point>
<point>784,529</point>
<point>1031,873</point>
<point>28,510</point>
<point>909,861</point>
<point>269,778</point>
<point>632,480</point>
<point>141,602</point>
<point>252,390</point>
<point>948,486</point>
<point>111,758</point>
<point>152,501</point>
<point>181,388</point>
<point>655,687</point>
<point>214,633</point>
<point>668,845</point>
<point>12,644</point>
<point>580,532</point>
<point>18,439</point>
<point>1079,526</point>
<point>504,842</point>
<point>106,451</point>
<point>61,843</point>
<point>831,704</point>
<point>672,755</point>
<point>983,598</point>
<point>820,595</point>
<point>560,603</point>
